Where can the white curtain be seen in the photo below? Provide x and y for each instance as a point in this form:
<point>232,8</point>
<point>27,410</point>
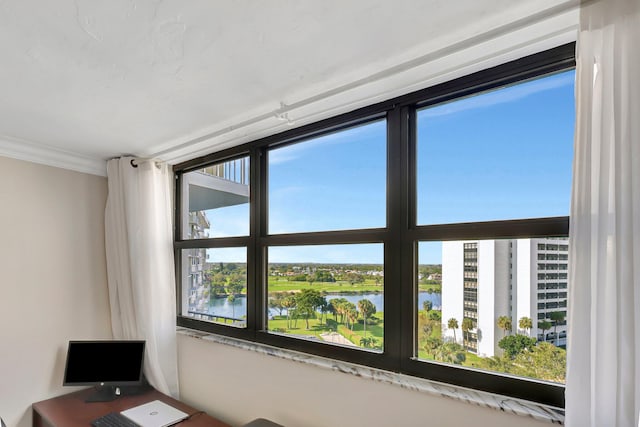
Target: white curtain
<point>140,268</point>
<point>603,368</point>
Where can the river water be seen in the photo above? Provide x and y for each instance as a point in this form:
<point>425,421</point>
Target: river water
<point>222,307</point>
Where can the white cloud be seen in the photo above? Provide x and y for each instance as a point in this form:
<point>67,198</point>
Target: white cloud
<point>499,96</point>
<point>295,151</point>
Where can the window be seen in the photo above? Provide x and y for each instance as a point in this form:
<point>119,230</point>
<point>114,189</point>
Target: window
<point>215,214</point>
<point>400,235</point>
<point>332,182</point>
<point>314,294</point>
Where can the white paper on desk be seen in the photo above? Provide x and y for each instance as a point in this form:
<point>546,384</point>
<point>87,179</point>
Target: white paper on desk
<point>154,414</point>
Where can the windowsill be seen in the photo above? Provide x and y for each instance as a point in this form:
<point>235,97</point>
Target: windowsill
<point>505,404</point>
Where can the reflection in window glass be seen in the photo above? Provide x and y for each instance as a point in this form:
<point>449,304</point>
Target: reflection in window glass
<point>217,202</point>
<point>333,182</point>
<point>331,293</point>
<point>487,304</point>
<point>499,155</point>
<point>214,285</point>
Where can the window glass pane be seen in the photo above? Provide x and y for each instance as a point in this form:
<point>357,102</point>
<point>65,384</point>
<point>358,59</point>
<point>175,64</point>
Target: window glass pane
<point>334,182</point>
<point>216,202</point>
<point>331,293</point>
<point>504,154</point>
<point>495,308</point>
<point>214,285</point>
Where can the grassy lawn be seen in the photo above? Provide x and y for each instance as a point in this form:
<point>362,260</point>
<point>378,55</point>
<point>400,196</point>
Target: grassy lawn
<point>279,324</point>
<point>435,288</point>
<point>283,285</point>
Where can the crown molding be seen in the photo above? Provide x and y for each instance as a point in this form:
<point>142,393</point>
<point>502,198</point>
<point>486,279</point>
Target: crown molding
<point>37,153</point>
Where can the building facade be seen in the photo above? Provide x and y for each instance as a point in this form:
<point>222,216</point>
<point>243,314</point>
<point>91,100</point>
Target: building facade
<point>484,280</point>
<point>204,190</point>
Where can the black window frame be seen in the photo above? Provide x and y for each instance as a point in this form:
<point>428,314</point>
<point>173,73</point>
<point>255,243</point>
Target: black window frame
<point>400,236</point>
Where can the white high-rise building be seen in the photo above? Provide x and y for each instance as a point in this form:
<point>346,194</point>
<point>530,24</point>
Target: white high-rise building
<point>483,280</point>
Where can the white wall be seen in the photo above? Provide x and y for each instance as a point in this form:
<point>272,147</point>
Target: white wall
<point>52,278</point>
<point>238,385</point>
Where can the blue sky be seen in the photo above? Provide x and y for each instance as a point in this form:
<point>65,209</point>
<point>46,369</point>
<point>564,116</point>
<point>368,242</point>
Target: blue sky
<point>504,154</point>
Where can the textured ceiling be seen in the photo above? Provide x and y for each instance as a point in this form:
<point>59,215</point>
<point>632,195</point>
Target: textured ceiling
<point>100,78</point>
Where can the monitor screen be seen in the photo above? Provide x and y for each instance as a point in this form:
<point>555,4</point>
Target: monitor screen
<point>104,362</point>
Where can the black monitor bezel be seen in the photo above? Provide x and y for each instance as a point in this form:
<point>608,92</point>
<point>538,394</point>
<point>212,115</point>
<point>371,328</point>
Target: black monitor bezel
<point>139,381</point>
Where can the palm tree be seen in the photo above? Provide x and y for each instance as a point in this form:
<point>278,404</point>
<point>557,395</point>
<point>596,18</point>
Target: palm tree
<point>367,308</point>
<point>432,345</point>
<point>338,305</point>
<point>525,323</point>
<point>556,317</point>
<point>453,324</point>
<point>467,325</point>
<point>289,303</point>
<point>427,305</point>
<point>451,353</point>
<point>352,315</point>
<point>504,323</point>
<point>427,328</point>
<point>365,342</point>
<point>544,326</point>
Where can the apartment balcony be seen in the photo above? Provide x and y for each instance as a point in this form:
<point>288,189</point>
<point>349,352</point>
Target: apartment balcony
<point>216,187</point>
<point>225,184</point>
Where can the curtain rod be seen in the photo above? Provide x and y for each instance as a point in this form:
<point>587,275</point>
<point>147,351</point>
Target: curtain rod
<point>282,112</point>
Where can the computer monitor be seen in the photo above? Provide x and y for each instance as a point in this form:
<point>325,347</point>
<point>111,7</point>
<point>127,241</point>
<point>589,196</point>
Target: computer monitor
<point>108,365</point>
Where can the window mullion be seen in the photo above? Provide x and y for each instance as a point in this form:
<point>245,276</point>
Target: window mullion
<point>396,222</point>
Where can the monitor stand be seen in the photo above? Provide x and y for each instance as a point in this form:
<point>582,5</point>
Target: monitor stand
<point>103,393</point>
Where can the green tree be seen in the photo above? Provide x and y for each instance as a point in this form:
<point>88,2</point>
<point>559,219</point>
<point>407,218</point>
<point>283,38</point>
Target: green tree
<point>432,345</point>
<point>324,276</point>
<point>354,278</point>
<point>435,315</point>
<point>516,344</point>
<point>324,307</point>
<point>467,325</point>
<point>556,317</point>
<point>453,324</point>
<point>275,302</point>
<point>525,324</point>
<point>234,287</point>
<point>544,326</point>
<point>427,305</point>
<point>217,289</point>
<point>367,309</point>
<point>451,353</point>
<point>307,301</point>
<point>545,361</point>
<point>218,284</point>
<point>351,314</point>
<point>338,305</point>
<point>311,278</point>
<point>504,323</point>
<point>289,303</point>
<point>427,328</point>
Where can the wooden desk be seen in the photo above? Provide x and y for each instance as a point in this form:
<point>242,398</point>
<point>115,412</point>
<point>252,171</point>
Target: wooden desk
<point>70,410</point>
